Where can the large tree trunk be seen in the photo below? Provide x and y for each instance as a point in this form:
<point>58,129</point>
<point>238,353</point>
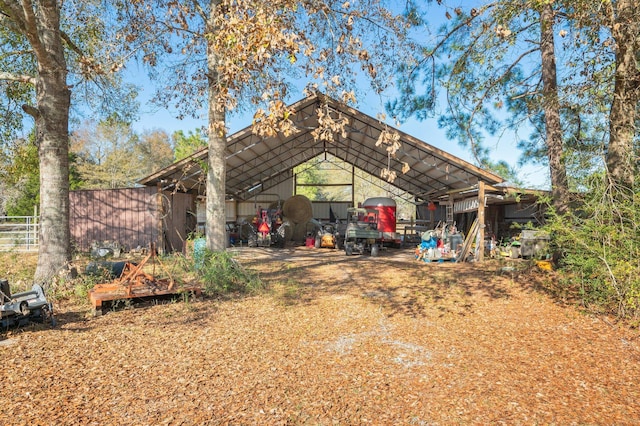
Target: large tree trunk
<point>558,171</point>
<point>216,175</point>
<point>52,126</point>
<point>626,95</point>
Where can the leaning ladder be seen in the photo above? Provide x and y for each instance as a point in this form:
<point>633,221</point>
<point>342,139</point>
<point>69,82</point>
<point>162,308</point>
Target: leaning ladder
<point>449,213</point>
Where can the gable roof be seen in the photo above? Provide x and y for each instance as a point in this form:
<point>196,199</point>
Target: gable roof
<point>255,163</point>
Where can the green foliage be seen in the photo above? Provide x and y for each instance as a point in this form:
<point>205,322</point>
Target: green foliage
<point>483,70</point>
<point>185,145</point>
<point>310,173</point>
<point>20,176</point>
<point>28,198</point>
<point>75,179</point>
<point>13,94</point>
<point>503,169</point>
<point>110,154</point>
<point>84,283</point>
<point>221,274</point>
<point>600,247</point>
<point>93,62</point>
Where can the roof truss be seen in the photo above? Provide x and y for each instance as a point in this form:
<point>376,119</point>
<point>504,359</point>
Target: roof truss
<point>255,164</point>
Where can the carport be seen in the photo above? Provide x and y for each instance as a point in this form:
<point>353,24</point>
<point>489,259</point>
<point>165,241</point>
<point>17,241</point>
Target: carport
<point>257,165</point>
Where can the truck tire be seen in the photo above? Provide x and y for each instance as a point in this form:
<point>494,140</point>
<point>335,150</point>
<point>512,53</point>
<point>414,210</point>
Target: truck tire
<point>375,250</point>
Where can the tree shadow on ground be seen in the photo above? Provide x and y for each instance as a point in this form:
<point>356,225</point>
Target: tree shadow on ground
<point>82,318</point>
<point>395,280</point>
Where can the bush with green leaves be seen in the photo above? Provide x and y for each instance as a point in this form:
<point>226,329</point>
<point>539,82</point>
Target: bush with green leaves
<point>221,274</point>
<point>599,244</point>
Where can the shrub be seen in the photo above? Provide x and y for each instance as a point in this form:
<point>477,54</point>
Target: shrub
<point>222,274</point>
<point>600,248</point>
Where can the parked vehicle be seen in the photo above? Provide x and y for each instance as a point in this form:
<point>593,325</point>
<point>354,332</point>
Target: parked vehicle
<point>264,231</point>
<point>386,208</point>
<point>362,234</point>
<point>328,236</point>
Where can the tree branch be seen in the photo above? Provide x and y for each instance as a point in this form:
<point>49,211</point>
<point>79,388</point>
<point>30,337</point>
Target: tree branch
<point>11,10</point>
<point>31,111</point>
<point>70,43</point>
<point>16,53</point>
<point>27,21</point>
<point>6,76</point>
<point>450,34</point>
<point>203,14</point>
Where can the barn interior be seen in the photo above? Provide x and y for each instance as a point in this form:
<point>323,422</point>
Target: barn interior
<point>440,186</point>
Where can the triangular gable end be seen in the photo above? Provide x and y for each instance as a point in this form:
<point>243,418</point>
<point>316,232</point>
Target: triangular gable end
<point>255,164</point>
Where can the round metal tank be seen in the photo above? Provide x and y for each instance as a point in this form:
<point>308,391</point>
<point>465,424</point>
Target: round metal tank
<point>386,208</point>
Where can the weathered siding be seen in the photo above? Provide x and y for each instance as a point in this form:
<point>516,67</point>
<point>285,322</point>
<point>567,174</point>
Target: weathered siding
<point>129,217</point>
<point>118,215</point>
<point>180,222</point>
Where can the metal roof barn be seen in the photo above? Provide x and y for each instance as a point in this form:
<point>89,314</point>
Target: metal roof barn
<point>256,164</point>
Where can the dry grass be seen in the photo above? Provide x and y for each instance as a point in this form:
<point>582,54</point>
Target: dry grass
<point>18,268</point>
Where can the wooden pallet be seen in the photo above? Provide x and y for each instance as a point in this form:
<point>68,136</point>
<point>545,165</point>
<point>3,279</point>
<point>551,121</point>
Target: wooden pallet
<point>441,260</point>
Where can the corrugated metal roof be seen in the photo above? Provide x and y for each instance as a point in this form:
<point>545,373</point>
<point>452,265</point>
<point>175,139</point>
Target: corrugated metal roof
<point>255,164</point>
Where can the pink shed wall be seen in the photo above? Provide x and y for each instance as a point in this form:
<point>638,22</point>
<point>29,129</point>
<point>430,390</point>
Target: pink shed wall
<point>127,216</point>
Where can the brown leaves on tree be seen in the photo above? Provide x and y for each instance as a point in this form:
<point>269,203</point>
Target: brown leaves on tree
<point>391,139</point>
<point>276,120</point>
<point>330,124</point>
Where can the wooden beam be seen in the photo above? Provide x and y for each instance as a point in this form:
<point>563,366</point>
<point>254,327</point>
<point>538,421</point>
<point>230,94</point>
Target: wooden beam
<point>481,225</point>
<point>159,215</point>
<point>469,189</point>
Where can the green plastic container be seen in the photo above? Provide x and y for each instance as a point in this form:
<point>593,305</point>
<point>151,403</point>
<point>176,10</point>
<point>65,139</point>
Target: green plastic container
<point>199,249</point>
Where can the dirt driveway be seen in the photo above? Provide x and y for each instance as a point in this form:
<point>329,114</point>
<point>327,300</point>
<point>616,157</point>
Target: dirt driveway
<point>335,340</point>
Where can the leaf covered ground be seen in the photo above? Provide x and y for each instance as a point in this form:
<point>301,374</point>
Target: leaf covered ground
<point>333,340</point>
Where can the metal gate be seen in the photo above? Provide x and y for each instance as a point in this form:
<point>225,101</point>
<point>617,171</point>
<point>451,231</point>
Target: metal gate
<point>19,233</point>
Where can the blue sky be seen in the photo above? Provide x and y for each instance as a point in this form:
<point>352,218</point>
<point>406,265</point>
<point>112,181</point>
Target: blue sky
<point>502,148</point>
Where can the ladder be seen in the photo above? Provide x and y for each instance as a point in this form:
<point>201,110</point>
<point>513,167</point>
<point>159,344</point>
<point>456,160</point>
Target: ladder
<point>449,212</point>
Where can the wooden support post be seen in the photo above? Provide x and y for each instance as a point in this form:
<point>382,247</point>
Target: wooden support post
<point>480,240</point>
<point>295,184</point>
<point>159,215</point>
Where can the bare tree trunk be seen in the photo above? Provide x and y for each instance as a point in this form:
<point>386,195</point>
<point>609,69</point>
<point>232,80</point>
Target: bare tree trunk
<point>216,175</point>
<point>626,95</point>
<point>559,185</point>
<point>53,99</point>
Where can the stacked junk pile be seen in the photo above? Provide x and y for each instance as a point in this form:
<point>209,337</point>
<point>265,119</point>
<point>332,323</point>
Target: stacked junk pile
<point>444,243</point>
